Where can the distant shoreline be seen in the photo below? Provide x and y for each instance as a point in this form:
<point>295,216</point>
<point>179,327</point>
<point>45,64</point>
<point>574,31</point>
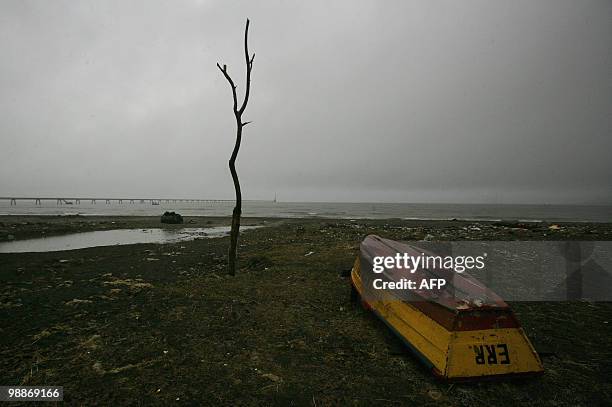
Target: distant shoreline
<point>314,217</point>
<point>34,226</point>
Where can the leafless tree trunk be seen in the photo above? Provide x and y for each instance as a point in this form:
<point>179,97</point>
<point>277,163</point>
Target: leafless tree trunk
<point>238,111</point>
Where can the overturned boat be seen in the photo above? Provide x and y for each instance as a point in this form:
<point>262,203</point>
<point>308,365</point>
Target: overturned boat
<point>457,326</point>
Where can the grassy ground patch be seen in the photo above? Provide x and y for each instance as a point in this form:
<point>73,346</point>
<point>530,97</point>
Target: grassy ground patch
<point>115,327</point>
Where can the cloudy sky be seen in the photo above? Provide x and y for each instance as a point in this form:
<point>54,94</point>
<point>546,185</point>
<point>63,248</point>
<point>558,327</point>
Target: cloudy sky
<point>399,101</point>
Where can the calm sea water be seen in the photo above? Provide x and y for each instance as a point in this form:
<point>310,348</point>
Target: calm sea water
<point>578,213</point>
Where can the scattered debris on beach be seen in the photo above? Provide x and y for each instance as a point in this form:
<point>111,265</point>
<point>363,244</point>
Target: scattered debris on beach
<point>281,332</point>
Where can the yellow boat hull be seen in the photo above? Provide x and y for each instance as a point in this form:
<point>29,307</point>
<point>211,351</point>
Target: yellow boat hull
<point>454,354</point>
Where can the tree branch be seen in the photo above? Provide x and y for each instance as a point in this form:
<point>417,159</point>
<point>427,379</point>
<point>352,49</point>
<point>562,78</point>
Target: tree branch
<point>231,82</point>
<point>249,66</point>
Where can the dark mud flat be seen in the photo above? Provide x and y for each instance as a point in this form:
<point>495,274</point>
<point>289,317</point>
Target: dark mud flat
<point>161,324</point>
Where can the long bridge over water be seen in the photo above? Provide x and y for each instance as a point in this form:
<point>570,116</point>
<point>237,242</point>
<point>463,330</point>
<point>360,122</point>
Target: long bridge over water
<point>77,200</point>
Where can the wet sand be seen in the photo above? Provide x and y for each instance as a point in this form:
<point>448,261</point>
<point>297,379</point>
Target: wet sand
<point>149,324</point>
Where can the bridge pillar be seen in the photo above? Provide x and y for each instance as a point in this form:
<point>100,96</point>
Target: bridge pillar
<point>93,201</point>
<point>108,201</point>
<point>13,202</point>
<point>37,202</point>
<point>78,201</point>
<point>131,201</point>
<point>59,201</point>
<point>121,201</point>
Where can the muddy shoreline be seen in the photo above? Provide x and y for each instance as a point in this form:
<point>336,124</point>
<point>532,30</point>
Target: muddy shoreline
<point>152,324</point>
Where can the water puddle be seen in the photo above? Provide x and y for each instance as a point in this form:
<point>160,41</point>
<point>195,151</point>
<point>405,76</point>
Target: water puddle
<point>113,238</point>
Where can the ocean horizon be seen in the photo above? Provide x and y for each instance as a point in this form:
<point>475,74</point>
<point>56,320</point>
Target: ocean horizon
<point>340,210</point>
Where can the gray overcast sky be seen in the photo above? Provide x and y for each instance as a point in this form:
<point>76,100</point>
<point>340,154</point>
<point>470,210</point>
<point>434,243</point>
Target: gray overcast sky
<point>416,101</point>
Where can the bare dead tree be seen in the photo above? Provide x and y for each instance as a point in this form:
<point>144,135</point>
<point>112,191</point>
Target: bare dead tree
<point>238,111</point>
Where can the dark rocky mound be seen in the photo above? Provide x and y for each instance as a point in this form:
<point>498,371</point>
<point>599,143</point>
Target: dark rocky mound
<point>171,217</point>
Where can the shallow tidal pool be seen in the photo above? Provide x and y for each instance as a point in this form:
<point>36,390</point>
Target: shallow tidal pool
<point>112,238</point>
